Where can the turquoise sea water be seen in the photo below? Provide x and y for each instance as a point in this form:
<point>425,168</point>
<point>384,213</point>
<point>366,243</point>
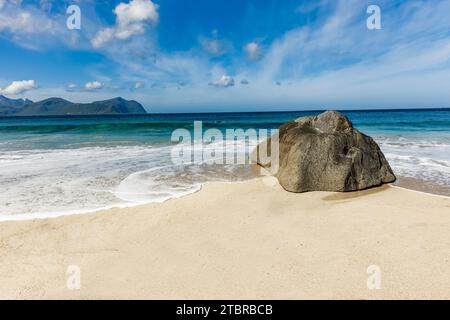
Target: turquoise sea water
<point>66,164</point>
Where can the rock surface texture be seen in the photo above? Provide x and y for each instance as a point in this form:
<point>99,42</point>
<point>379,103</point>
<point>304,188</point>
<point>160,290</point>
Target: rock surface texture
<point>325,153</point>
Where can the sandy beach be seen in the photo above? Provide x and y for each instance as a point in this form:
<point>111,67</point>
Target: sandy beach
<point>249,240</point>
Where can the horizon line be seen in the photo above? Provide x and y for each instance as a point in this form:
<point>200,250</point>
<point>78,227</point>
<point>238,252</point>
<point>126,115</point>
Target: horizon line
<point>228,112</point>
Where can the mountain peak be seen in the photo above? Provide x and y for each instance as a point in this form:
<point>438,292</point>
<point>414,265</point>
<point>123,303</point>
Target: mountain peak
<point>7,103</point>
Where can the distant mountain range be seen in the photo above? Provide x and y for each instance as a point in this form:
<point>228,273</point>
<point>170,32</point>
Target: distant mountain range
<point>10,106</point>
<point>61,107</point>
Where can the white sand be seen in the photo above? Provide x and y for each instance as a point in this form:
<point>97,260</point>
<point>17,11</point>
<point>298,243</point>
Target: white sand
<point>247,240</point>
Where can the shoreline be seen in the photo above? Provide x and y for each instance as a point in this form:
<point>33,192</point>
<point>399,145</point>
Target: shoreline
<point>406,183</point>
<point>245,240</point>
<point>423,186</point>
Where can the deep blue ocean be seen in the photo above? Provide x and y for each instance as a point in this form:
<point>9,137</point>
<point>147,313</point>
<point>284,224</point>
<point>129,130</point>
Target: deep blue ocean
<point>68,164</point>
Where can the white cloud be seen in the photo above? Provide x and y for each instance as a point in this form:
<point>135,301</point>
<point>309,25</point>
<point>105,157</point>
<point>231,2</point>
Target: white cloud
<point>34,26</point>
<point>253,51</point>
<point>102,37</point>
<point>19,87</point>
<point>138,85</point>
<point>72,87</point>
<point>20,21</point>
<point>131,19</point>
<point>95,85</point>
<point>214,46</point>
<point>224,81</point>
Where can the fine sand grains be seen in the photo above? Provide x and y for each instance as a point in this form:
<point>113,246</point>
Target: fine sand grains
<point>249,240</point>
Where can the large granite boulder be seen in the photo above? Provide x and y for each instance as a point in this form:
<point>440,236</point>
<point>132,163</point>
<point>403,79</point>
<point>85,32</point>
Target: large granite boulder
<point>325,153</point>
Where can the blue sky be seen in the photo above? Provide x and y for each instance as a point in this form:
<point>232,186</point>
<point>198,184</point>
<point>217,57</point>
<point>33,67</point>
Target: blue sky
<point>234,55</point>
